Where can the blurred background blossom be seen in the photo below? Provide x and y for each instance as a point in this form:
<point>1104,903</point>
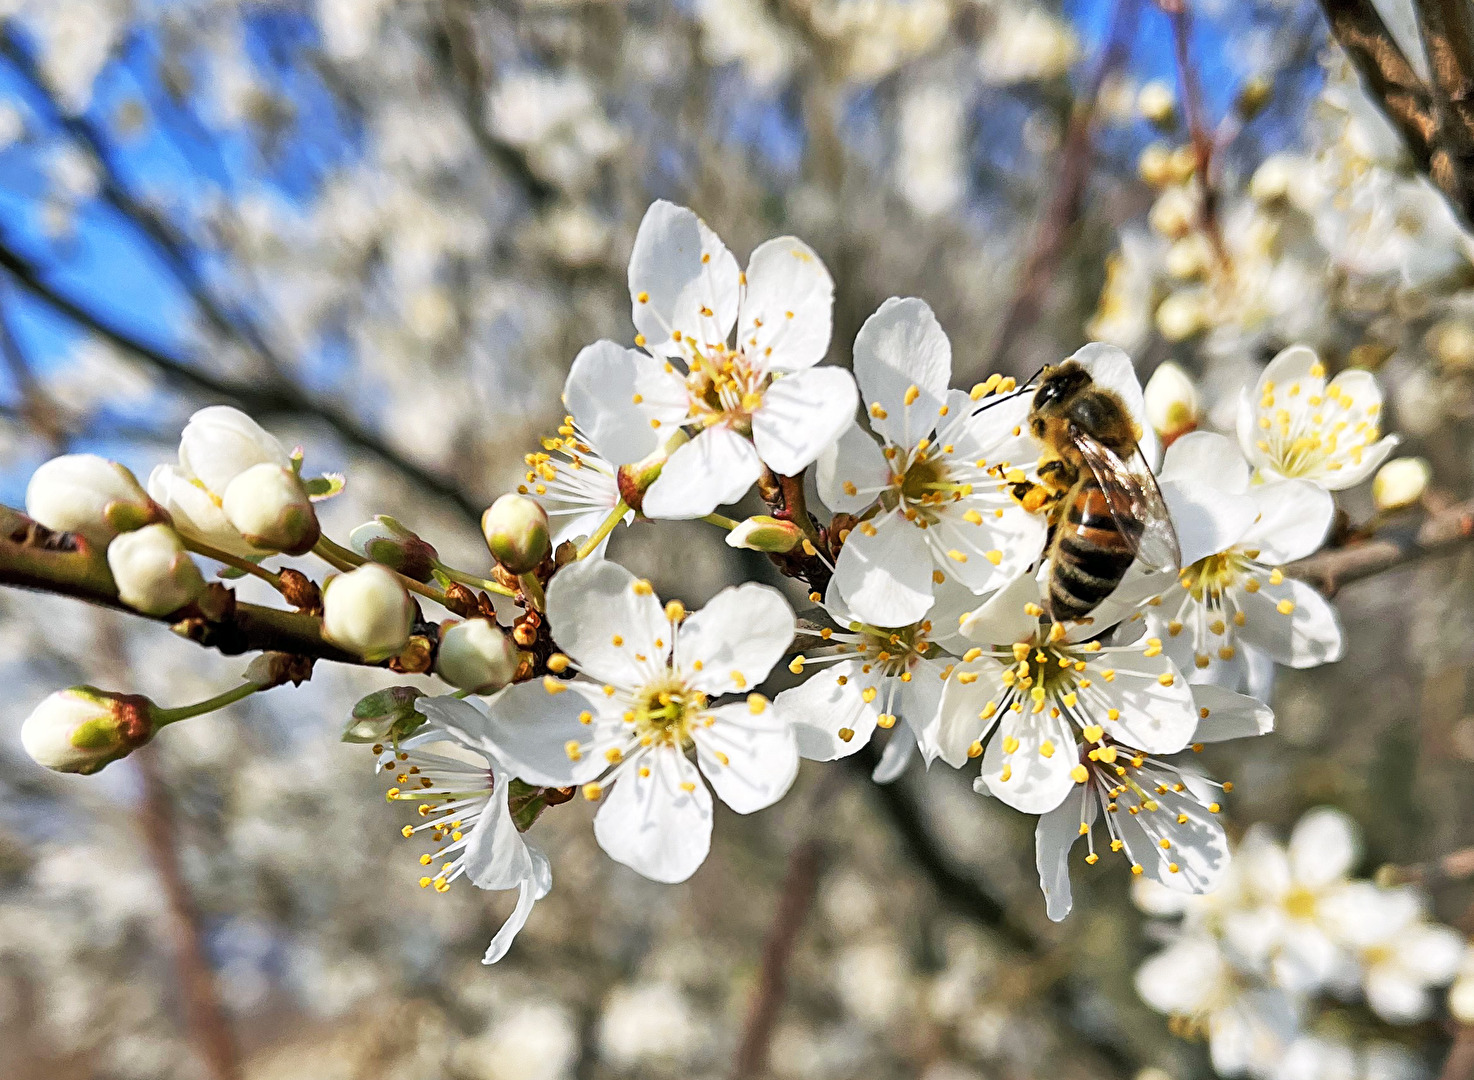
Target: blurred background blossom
<point>385,228</point>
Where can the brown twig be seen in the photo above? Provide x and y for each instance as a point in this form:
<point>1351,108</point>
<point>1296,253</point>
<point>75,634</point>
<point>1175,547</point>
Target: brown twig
<point>795,898</point>
<point>1335,568</point>
<point>1455,866</point>
<point>1198,133</point>
<point>198,996</point>
<point>1069,192</point>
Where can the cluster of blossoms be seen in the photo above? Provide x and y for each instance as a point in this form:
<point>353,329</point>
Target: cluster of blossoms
<point>930,587</point>
<point>1250,967</point>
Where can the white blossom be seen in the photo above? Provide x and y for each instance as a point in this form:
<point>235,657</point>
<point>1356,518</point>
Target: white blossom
<point>1297,426</point>
<point>757,401</point>
<point>932,499</point>
<point>461,793</point>
<point>624,730</point>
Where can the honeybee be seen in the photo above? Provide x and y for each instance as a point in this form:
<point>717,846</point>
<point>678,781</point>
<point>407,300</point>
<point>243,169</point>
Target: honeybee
<point>1103,506</point>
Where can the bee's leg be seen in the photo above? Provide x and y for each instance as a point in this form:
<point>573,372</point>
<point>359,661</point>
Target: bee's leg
<point>1033,497</point>
<point>1056,474</point>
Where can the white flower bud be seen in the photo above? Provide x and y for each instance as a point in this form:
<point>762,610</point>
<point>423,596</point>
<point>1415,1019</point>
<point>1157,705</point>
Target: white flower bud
<point>90,495</point>
<point>1157,103</point>
<point>269,506</point>
<point>1461,999</point>
<point>1174,213</point>
<point>516,531</point>
<point>763,533</point>
<point>1155,165</point>
<point>1271,181</point>
<point>386,541</point>
<point>1181,315</point>
<point>154,574</point>
<point>368,612</point>
<point>195,513</point>
<point>1190,257</point>
<point>476,655</point>
<point>81,729</point>
<point>1400,483</point>
<point>1172,406</point>
<point>219,443</point>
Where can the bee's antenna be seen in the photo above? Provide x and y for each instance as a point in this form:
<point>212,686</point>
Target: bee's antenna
<point>1023,388</point>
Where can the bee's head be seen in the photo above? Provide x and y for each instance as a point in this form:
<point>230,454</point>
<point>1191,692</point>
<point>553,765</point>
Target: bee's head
<point>1059,384</point>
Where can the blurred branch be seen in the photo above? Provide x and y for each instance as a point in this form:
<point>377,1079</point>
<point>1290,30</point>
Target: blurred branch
<point>1455,866</point>
<point>1439,533</point>
<point>261,399</point>
<point>1069,192</point>
<point>796,897</point>
<point>1448,39</point>
<point>1192,106</point>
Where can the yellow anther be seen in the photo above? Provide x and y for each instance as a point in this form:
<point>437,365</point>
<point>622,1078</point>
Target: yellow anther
<point>796,665</point>
<point>885,720</point>
<point>756,704</point>
<point>1006,773</point>
<point>675,611</point>
<point>878,411</point>
<point>1010,744</point>
<point>846,734</point>
<point>553,686</point>
<point>614,755</point>
<point>868,694</point>
<point>643,297</point>
<point>573,750</point>
<point>912,393</point>
<point>1166,678</point>
<point>643,587</point>
<point>1079,774</point>
<point>557,663</point>
<point>1285,607</point>
<point>995,556</point>
<point>1046,748</point>
<point>591,792</point>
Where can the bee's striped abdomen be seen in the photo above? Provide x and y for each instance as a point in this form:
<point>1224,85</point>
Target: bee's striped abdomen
<point>1090,554</point>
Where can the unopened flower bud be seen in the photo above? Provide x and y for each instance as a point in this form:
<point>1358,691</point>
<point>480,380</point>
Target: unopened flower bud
<point>1452,343</point>
<point>763,533</point>
<point>476,655</point>
<point>1461,999</point>
<point>90,495</point>
<point>220,442</point>
<point>81,729</point>
<point>1173,213</point>
<point>387,715</point>
<point>368,612</point>
<point>1400,483</point>
<point>1255,94</point>
<point>1272,180</point>
<point>516,531</point>
<point>386,541</point>
<point>1181,315</point>
<point>153,572</point>
<point>1157,103</point>
<point>1171,401</point>
<point>271,509</point>
<point>1155,165</point>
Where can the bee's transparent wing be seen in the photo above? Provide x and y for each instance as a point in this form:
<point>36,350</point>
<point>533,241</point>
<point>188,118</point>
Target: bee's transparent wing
<point>1135,501</point>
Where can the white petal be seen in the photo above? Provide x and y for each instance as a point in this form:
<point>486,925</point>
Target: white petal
<point>788,310</point>
<point>1223,715</point>
<point>1207,519</point>
<point>715,468</point>
<point>903,346</point>
<point>919,700</point>
<point>1209,458</point>
<point>496,854</point>
<point>1002,619</point>
<point>737,638</point>
<point>1054,836</point>
<point>528,894</point>
<point>658,825</point>
<point>1157,718</point>
<point>1294,517</point>
<point>195,513</point>
<point>528,729</point>
<point>886,578</point>
<point>1182,978</point>
<point>854,458</point>
<point>1371,460</point>
<point>599,393</point>
<point>821,707</point>
<point>958,724</point>
<point>1324,847</point>
<point>1289,365</point>
<point>220,442</point>
<point>681,267</point>
<point>1396,997</point>
<point>762,757</point>
<point>900,748</point>
<point>1016,539</point>
<point>1308,636</point>
<point>581,527</point>
<point>1247,425</point>
<point>801,414</point>
<point>1431,953</point>
<point>1036,784</point>
<point>594,602</point>
<point>1198,846</point>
